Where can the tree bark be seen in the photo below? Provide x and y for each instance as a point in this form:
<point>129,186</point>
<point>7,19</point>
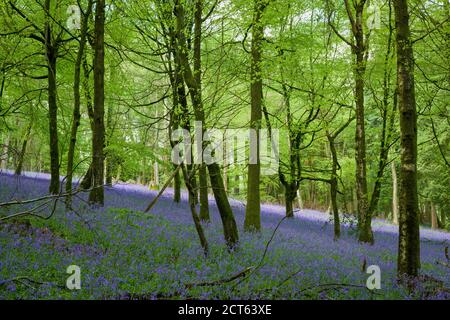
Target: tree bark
<point>226,214</point>
<point>4,155</point>
<point>76,116</point>
<point>364,220</point>
<point>289,196</point>
<point>177,187</point>
<point>96,196</point>
<point>51,56</point>
<point>333,188</point>
<point>409,238</point>
<point>195,218</point>
<point>434,218</point>
<point>21,157</point>
<point>108,156</point>
<point>203,182</point>
<point>394,194</point>
<point>237,181</point>
<point>388,119</point>
<point>253,209</point>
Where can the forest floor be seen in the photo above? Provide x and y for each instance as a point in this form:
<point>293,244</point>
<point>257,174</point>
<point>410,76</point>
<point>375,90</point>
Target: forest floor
<point>124,253</point>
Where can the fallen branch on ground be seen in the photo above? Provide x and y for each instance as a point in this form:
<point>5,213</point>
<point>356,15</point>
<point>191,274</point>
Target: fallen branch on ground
<point>163,189</point>
<point>23,280</point>
<point>220,281</point>
<point>443,263</point>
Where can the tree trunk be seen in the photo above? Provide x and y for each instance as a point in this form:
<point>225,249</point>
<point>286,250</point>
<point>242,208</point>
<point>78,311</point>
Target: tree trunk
<point>76,106</point>
<point>204,203</point>
<point>156,174</point>
<point>96,195</point>
<point>51,56</point>
<point>253,209</point>
<point>109,156</point>
<point>443,219</point>
<point>237,181</point>
<point>177,187</point>
<point>299,199</point>
<point>4,154</point>
<point>333,188</point>
<point>226,214</point>
<point>394,194</point>
<point>434,218</point>
<point>289,196</point>
<point>203,181</point>
<point>388,119</point>
<point>21,158</point>
<point>409,238</point>
<point>195,218</point>
<point>364,221</point>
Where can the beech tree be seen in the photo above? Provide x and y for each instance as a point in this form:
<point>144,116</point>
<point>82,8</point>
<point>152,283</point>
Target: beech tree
<point>408,262</point>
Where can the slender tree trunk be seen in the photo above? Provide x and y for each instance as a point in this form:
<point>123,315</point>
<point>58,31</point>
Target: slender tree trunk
<point>175,122</point>
<point>409,237</point>
<point>237,181</point>
<point>4,154</point>
<point>109,156</point>
<point>195,217</point>
<point>204,203</point>
<point>394,194</point>
<point>21,157</point>
<point>177,187</point>
<point>203,182</point>
<point>333,188</point>
<point>51,56</point>
<point>299,199</point>
<point>434,218</point>
<point>87,181</point>
<point>96,195</point>
<point>359,47</point>
<point>253,209</point>
<point>365,232</point>
<point>388,123</point>
<point>76,116</point>
<point>443,219</point>
<point>156,174</point>
<point>226,214</point>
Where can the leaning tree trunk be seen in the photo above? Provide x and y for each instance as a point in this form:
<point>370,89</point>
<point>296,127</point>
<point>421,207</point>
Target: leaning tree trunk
<point>96,195</point>
<point>226,214</point>
<point>409,237</point>
<point>195,217</point>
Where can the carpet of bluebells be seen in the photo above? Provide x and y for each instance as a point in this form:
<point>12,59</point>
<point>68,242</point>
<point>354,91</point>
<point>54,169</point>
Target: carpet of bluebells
<point>124,253</point>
